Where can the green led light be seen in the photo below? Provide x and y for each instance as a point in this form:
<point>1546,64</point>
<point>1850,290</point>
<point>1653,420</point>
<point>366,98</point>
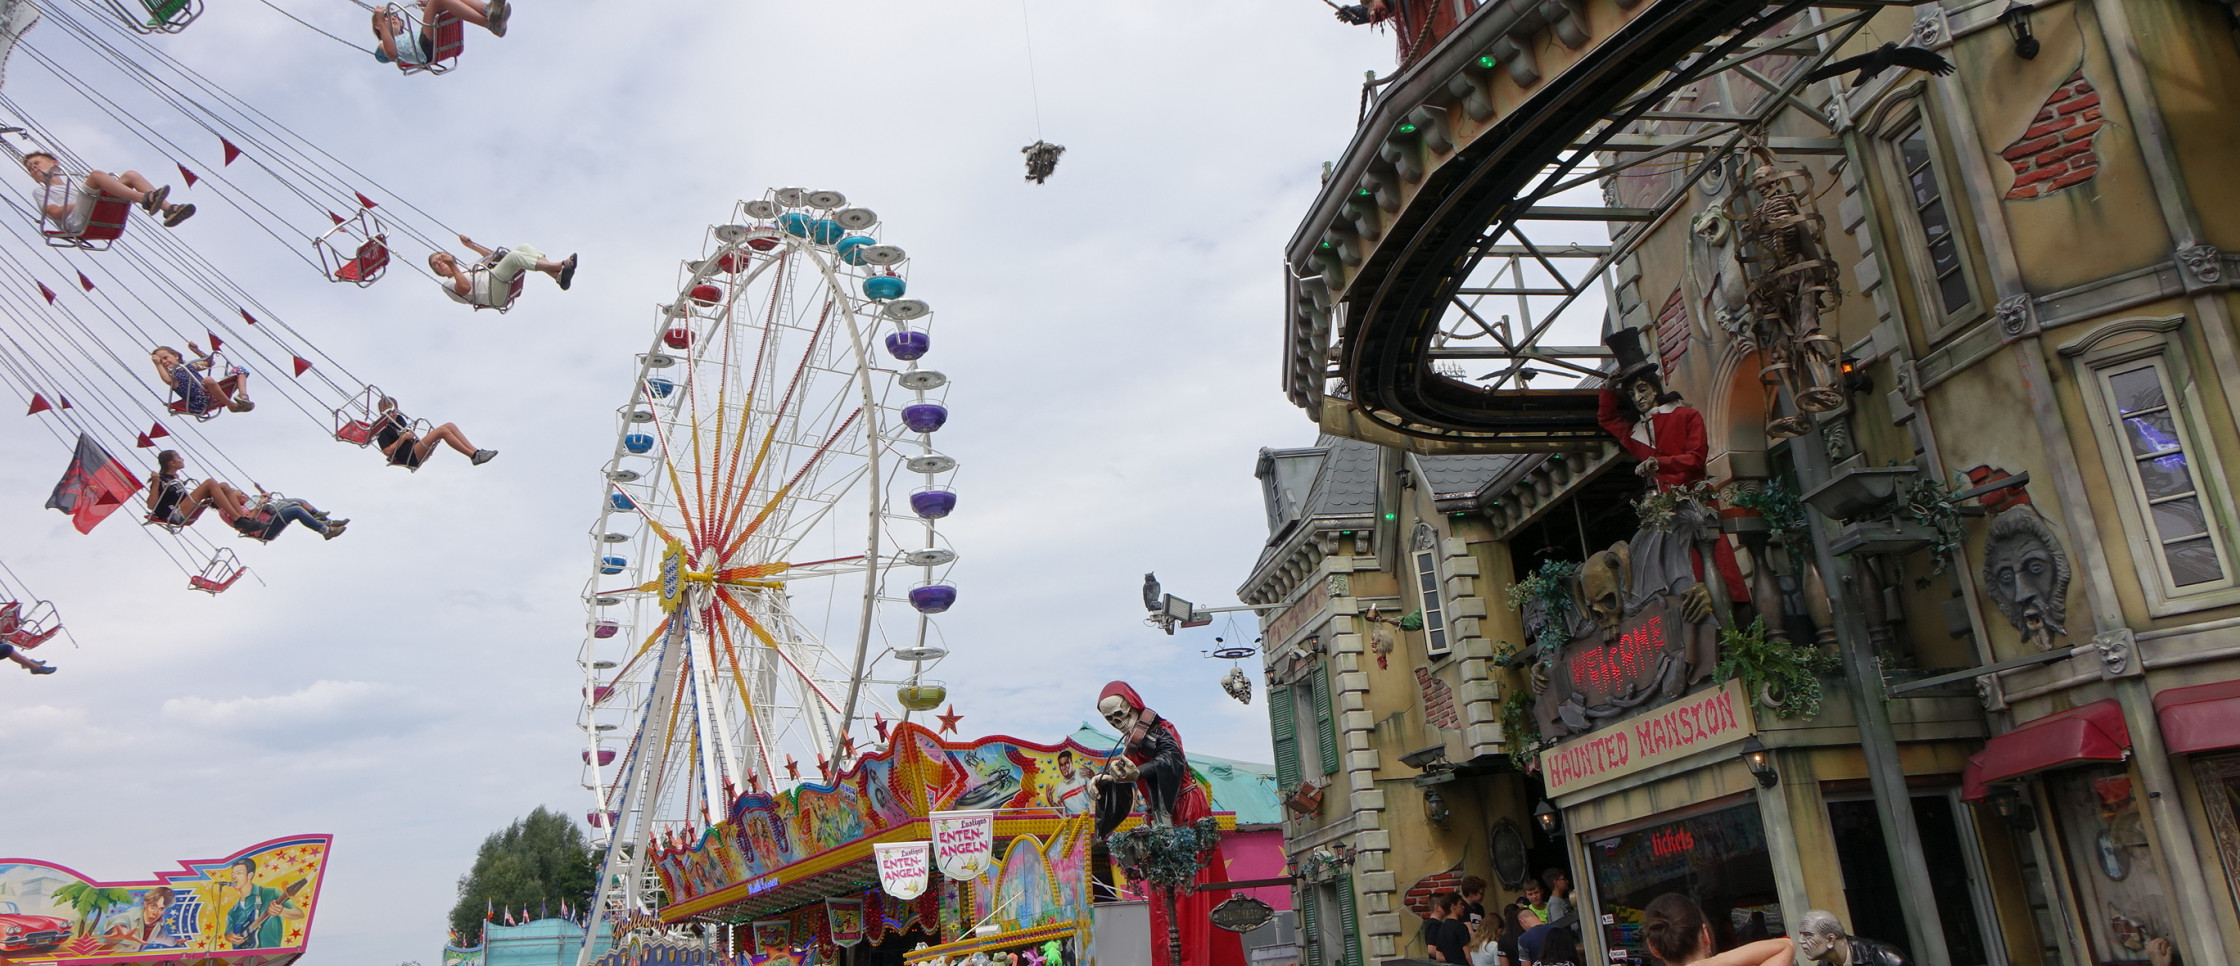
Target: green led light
<point>1328,245</point>
<point>1345,533</point>
<point>1407,129</point>
<point>1392,516</point>
<point>1555,457</point>
<point>1486,61</point>
<point>1365,192</point>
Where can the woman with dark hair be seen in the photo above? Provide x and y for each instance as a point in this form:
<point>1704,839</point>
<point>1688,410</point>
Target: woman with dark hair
<point>1678,933</point>
<point>175,501</point>
<point>1561,948</point>
<point>1512,929</point>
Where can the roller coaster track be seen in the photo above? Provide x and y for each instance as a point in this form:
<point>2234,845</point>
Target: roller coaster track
<point>1458,188</point>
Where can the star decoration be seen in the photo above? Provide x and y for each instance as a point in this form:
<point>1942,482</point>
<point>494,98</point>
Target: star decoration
<point>879,721</point>
<point>949,720</point>
<point>793,768</point>
<point>848,745</point>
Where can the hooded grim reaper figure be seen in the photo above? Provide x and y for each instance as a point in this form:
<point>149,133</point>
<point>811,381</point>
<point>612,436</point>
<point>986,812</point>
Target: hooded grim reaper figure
<point>1151,762</point>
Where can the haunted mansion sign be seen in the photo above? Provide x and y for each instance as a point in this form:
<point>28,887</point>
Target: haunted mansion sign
<point>1704,721</point>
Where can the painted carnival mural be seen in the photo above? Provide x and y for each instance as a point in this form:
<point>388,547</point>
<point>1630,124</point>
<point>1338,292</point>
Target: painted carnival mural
<point>251,908</point>
<point>915,774</point>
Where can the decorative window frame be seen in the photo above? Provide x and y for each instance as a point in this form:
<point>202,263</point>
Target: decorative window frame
<point>1423,568</point>
<point>1901,112</point>
<point>2126,341</point>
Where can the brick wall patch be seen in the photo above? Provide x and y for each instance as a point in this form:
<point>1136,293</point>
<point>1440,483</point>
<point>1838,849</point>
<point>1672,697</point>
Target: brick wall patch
<point>1418,896</point>
<point>1672,333</point>
<point>1438,701</point>
<point>2056,152</point>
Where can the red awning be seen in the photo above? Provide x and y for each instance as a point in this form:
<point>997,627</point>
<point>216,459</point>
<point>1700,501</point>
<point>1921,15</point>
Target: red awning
<point>2201,717</point>
<point>2095,732</point>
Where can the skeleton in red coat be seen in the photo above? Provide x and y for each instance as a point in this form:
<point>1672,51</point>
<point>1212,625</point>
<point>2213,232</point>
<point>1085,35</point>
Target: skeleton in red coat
<point>1666,436</point>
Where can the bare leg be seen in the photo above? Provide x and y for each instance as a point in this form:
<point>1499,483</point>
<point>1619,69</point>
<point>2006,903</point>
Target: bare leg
<point>230,502</point>
<point>471,11</point>
<point>218,393</point>
<point>137,181</point>
<point>126,189</point>
<point>448,434</point>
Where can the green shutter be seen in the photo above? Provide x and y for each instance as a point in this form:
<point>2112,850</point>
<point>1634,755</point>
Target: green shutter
<point>1350,924</point>
<point>1323,717</point>
<point>1283,725</point>
<point>1305,900</point>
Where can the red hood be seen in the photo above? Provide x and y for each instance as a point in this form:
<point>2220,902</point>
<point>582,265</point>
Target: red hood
<point>1128,693</point>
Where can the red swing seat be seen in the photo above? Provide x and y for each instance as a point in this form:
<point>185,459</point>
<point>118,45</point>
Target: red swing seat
<point>103,226</point>
<point>449,34</point>
<point>232,386</point>
<point>513,293</point>
<point>355,250</point>
<point>223,570</point>
<point>365,267</point>
<point>27,631</point>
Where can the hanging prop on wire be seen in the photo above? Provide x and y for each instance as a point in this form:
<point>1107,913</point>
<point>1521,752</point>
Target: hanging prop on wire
<point>1042,159</point>
<point>1042,156</point>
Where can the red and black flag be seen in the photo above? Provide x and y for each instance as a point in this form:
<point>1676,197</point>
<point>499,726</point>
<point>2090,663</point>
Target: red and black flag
<point>93,487</point>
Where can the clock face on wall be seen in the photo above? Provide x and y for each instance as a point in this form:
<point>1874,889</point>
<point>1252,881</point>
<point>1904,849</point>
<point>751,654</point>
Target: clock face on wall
<point>1507,845</point>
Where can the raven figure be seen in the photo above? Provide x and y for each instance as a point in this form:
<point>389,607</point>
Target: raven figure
<point>1874,62</point>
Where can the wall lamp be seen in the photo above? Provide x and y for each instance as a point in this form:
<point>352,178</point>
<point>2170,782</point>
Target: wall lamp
<point>1547,817</point>
<point>2016,18</point>
<point>2007,801</point>
<point>1760,759</point>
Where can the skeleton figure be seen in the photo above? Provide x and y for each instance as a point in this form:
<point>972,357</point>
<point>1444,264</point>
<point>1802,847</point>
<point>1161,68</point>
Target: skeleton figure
<point>1151,761</point>
<point>1822,940</point>
<point>2026,573</point>
<point>1042,159</point>
<point>1718,274</point>
<point>1792,281</point>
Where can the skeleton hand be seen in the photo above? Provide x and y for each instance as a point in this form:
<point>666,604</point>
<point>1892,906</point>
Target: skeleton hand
<point>1695,604</point>
<point>1647,467</point>
<point>1539,680</point>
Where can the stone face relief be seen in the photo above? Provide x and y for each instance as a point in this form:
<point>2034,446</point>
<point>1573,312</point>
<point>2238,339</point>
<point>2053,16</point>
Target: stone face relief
<point>2026,574</point>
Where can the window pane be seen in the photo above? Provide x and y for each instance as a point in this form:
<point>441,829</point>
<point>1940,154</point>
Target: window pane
<point>1953,290</point>
<point>1914,148</point>
<point>2154,432</point>
<point>2137,389</point>
<point>2179,518</point>
<point>2193,562</point>
<point>2165,476</point>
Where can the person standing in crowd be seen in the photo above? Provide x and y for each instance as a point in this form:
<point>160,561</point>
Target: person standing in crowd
<point>1446,935</point>
<point>1536,898</point>
<point>1532,946</point>
<point>1473,892</point>
<point>1485,943</point>
<point>1561,949</point>
<point>1678,933</point>
<point>1560,911</point>
<point>1515,919</point>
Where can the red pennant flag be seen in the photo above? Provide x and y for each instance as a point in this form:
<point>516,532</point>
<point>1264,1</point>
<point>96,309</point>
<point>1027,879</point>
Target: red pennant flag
<point>215,342</point>
<point>190,176</point>
<point>337,218</point>
<point>39,405</point>
<point>48,292</point>
<point>231,151</point>
<point>93,487</point>
<point>145,442</point>
<point>363,200</point>
<point>87,282</point>
<point>251,319</point>
<point>303,365</point>
<point>156,431</point>
<point>62,402</point>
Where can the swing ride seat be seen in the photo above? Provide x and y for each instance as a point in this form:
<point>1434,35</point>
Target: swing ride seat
<point>449,34</point>
<point>353,421</point>
<point>513,294</point>
<point>103,226</point>
<point>232,386</point>
<point>27,631</point>
<point>156,16</point>
<point>355,250</point>
<point>223,570</point>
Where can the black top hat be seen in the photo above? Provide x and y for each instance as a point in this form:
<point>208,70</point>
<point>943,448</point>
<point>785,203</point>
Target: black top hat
<point>1633,357</point>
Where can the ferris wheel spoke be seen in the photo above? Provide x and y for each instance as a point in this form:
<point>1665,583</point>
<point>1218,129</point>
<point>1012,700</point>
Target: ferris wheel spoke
<point>763,634</point>
<point>777,419</point>
<point>746,701</point>
<point>779,497</point>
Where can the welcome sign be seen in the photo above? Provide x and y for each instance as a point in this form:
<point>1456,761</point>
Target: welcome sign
<point>963,841</point>
<point>1698,722</point>
<point>903,869</point>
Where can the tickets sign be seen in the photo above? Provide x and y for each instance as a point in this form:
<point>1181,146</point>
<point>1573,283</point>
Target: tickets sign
<point>1699,722</point>
<point>903,868</point>
<point>963,842</point>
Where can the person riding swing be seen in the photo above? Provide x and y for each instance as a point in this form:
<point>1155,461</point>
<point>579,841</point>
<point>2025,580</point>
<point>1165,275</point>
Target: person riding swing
<point>70,212</point>
<point>495,280</point>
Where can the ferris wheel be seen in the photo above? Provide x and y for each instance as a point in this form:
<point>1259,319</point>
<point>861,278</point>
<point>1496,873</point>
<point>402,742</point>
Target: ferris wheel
<point>767,546</point>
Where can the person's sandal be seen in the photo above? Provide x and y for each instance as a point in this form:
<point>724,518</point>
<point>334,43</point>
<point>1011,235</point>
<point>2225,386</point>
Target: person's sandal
<point>482,456</point>
<point>335,529</point>
<point>152,201</point>
<point>43,669</point>
<point>175,214</point>
<point>497,13</point>
<point>568,273</point>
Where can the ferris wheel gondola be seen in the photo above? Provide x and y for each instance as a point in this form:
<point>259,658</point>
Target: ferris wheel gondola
<point>759,553</point>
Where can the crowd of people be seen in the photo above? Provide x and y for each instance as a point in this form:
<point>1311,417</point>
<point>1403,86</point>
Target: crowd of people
<point>1541,928</point>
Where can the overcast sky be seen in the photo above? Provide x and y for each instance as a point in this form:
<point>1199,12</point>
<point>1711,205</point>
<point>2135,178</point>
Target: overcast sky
<point>1112,337</point>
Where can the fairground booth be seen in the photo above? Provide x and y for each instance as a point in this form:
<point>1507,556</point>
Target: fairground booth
<point>251,908</point>
<point>937,852</point>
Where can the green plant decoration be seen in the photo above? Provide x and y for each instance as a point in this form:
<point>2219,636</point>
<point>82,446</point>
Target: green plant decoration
<point>1164,855</point>
<point>1780,677</point>
<point>1657,510</point>
<point>1783,511</point>
<point>1518,726</point>
<point>1929,503</point>
<point>1551,585</point>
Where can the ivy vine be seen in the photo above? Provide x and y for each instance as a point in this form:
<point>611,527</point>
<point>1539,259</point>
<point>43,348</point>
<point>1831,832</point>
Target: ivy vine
<point>1780,677</point>
<point>1519,727</point>
<point>1550,585</point>
<point>1783,510</point>
<point>1658,509</point>
<point>1164,855</point>
<point>1929,502</point>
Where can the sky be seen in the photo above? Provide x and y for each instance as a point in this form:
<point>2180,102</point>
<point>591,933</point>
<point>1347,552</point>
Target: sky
<point>1112,337</point>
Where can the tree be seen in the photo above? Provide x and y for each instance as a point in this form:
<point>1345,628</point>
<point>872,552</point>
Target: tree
<point>537,862</point>
<point>91,903</point>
